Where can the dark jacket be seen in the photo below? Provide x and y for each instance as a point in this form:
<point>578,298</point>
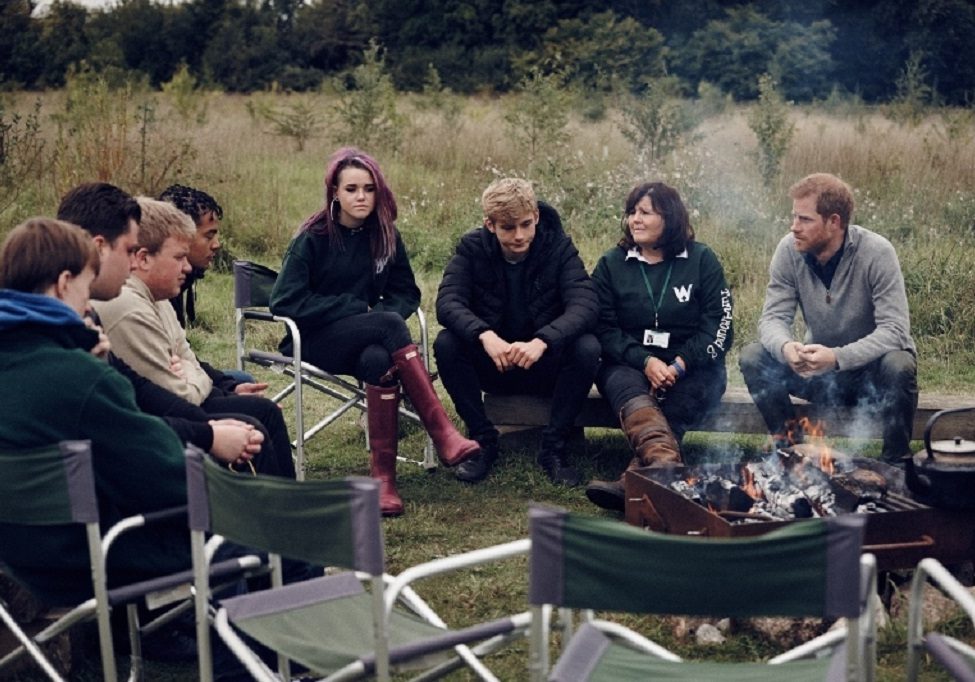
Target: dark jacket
<point>562,301</point>
<point>189,421</point>
<point>696,308</point>
<point>321,282</point>
<point>54,390</point>
<point>184,303</point>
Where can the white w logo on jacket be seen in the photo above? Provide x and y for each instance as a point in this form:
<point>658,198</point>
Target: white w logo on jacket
<point>682,293</point>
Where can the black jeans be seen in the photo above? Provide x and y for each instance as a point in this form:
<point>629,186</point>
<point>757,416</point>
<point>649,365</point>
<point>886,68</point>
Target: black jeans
<point>685,404</point>
<point>359,345</point>
<point>564,374</point>
<point>275,457</point>
<point>887,385</point>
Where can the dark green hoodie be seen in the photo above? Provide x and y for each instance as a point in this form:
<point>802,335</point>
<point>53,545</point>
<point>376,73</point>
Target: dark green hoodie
<point>53,390</point>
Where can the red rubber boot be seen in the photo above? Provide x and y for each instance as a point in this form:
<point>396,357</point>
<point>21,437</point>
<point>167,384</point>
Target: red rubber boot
<point>382,414</point>
<point>452,447</point>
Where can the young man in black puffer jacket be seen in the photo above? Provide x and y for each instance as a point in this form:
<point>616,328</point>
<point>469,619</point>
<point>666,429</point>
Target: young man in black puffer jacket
<point>517,308</point>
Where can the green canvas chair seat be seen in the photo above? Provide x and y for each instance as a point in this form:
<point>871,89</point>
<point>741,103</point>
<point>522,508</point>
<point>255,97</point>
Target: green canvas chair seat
<point>808,569</point>
<point>332,624</point>
<point>954,656</point>
<point>593,656</point>
<point>292,622</point>
<point>253,283</point>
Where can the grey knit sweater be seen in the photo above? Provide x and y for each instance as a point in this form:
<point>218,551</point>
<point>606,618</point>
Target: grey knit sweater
<point>866,314</point>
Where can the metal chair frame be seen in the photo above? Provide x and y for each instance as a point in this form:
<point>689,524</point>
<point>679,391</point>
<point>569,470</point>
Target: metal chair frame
<point>156,593</point>
<point>387,594</point>
<point>956,656</point>
<point>251,307</point>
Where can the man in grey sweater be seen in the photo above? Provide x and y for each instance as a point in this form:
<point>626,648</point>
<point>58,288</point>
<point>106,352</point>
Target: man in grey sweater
<point>857,349</point>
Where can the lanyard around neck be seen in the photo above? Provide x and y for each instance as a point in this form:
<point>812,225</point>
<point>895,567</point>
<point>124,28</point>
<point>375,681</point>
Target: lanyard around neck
<point>659,301</point>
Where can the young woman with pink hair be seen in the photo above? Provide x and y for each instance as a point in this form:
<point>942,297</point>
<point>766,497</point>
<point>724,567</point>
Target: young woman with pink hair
<point>346,281</point>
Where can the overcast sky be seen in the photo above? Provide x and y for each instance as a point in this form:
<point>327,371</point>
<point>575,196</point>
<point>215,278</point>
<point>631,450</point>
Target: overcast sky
<point>41,4</point>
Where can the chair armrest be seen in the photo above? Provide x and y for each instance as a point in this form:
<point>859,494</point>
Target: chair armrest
<point>139,521</point>
<point>229,568</point>
<point>452,563</point>
<point>258,315</point>
<point>932,569</point>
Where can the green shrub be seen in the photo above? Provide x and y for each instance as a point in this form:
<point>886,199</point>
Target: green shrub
<point>537,114</point>
<point>435,96</point>
<point>186,98</point>
<point>21,152</point>
<point>367,115</point>
<point>658,121</point>
<point>769,120</point>
<point>112,133</point>
<point>909,106</point>
<point>296,117</point>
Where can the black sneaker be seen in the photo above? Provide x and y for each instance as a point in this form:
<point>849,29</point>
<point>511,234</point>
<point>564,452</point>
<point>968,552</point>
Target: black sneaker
<point>553,459</point>
<point>607,495</point>
<point>479,466</point>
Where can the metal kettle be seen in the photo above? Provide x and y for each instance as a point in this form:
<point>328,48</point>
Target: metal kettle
<point>943,474</point>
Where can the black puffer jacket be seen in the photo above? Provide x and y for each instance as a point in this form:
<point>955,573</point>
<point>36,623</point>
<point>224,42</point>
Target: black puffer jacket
<point>562,301</point>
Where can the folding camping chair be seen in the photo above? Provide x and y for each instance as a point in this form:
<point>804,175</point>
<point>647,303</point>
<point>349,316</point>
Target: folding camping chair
<point>56,486</point>
<point>953,655</point>
<point>809,568</point>
<point>331,624</point>
<point>252,294</point>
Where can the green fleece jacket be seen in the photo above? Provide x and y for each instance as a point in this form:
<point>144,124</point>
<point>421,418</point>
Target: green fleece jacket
<point>695,307</point>
<point>54,389</point>
<point>321,283</point>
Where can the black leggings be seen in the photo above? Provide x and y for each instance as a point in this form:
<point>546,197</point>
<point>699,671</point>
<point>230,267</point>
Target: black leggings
<point>360,345</point>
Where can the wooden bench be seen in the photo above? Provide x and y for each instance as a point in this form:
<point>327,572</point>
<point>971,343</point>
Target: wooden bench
<point>738,414</point>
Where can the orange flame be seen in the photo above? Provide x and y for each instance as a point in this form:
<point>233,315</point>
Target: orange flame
<point>816,432</point>
<point>826,460</point>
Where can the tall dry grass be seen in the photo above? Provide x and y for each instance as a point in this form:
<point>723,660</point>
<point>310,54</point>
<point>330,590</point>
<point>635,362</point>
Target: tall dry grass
<point>915,185</point>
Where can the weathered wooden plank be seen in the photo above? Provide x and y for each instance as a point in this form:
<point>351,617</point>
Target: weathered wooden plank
<point>737,414</point>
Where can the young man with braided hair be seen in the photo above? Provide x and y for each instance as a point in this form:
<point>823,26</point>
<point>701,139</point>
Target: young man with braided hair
<point>206,214</point>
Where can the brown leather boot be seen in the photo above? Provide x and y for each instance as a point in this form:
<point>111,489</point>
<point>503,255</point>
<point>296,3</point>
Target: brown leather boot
<point>451,446</point>
<point>649,433</point>
<point>653,443</point>
<point>382,413</point>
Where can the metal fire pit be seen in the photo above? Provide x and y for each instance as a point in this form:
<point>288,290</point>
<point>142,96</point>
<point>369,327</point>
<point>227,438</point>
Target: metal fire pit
<point>900,533</point>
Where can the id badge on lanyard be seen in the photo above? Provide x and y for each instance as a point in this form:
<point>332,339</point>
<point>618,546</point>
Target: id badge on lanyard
<point>655,337</point>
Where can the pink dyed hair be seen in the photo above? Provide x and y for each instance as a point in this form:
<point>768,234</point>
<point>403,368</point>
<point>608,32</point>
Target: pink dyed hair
<point>382,221</point>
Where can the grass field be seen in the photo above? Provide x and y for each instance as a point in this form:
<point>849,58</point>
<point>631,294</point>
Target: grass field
<point>914,185</point>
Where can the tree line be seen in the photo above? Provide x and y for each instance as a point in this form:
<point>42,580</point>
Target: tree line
<point>812,48</point>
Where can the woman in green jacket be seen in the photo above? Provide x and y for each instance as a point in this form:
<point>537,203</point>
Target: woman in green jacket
<point>665,326</point>
<point>346,281</point>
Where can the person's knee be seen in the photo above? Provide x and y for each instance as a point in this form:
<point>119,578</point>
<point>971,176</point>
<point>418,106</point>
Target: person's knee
<point>898,368</point>
<point>585,351</point>
<point>374,362</point>
<point>395,328</point>
<point>753,358</point>
<point>446,346</point>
